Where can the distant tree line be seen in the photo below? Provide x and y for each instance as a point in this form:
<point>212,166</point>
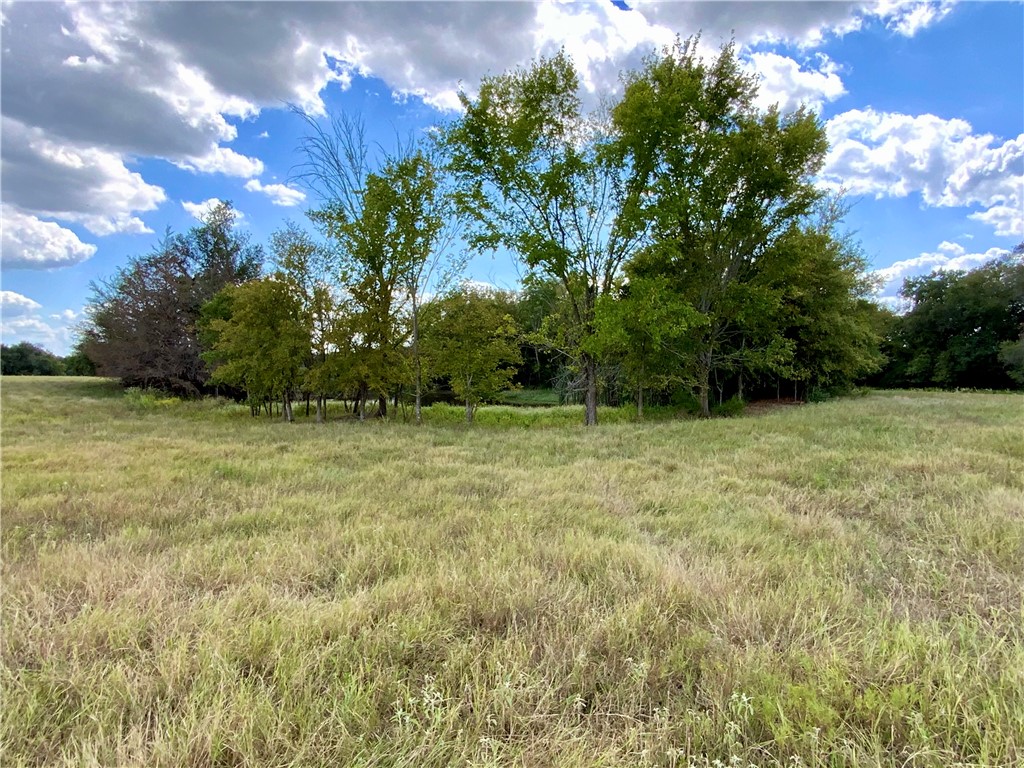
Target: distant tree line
<point>962,329</point>
<point>26,359</point>
<point>676,251</point>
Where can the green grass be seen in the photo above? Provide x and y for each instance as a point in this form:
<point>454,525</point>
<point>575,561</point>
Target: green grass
<point>839,584</point>
<point>529,397</point>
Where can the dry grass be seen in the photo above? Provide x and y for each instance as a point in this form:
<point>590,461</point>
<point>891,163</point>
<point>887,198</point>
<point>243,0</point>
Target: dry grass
<point>835,585</point>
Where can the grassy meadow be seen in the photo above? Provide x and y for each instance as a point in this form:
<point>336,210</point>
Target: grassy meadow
<point>839,584</point>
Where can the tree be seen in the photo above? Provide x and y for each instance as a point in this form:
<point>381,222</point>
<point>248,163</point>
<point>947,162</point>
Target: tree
<point>536,176</point>
<point>644,327</point>
<point>825,310</point>
<point>25,359</point>
<point>722,183</point>
<point>961,329</point>
<point>307,269</point>
<point>468,339</point>
<point>263,344</point>
<point>393,230</point>
<point>142,325</point>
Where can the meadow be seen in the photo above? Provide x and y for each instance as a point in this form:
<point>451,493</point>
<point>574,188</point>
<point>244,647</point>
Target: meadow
<point>838,584</point>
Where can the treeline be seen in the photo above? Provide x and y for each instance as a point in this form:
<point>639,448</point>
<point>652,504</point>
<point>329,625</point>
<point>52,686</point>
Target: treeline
<point>675,248</point>
<point>26,359</point>
<point>961,330</point>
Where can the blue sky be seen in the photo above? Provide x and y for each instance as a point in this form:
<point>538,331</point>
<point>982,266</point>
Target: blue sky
<point>121,120</point>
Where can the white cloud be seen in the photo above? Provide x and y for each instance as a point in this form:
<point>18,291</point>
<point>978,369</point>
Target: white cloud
<point>20,321</point>
<point>908,17</point>
<point>14,304</point>
<point>223,160</point>
<point>62,180</point>
<point>806,23</point>
<point>264,135</point>
<point>201,210</point>
<point>55,337</point>
<point>29,243</point>
<point>785,82</point>
<point>948,256</point>
<point>888,154</point>
<point>279,194</point>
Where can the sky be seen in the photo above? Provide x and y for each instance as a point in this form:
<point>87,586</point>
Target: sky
<point>120,120</point>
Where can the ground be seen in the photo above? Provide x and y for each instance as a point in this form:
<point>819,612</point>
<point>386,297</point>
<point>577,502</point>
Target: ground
<point>839,584</point>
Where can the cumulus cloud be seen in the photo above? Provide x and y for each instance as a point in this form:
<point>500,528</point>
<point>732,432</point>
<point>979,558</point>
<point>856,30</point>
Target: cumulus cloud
<point>889,154</point>
<point>94,86</point>
<point>56,336</point>
<point>785,82</point>
<point>83,184</point>
<point>279,194</point>
<point>20,320</point>
<point>948,256</point>
<point>29,243</point>
<point>201,210</point>
<point>14,304</point>
<point>223,160</point>
<point>908,17</point>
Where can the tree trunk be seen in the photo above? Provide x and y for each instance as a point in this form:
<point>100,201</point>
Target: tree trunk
<point>640,401</point>
<point>417,413</point>
<point>382,406</point>
<point>286,407</point>
<point>361,403</point>
<point>308,396</point>
<point>469,411</point>
<point>741,384</point>
<point>704,387</point>
<point>590,379</point>
<point>320,409</point>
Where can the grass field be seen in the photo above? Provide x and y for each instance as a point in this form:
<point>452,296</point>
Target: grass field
<point>834,585</point>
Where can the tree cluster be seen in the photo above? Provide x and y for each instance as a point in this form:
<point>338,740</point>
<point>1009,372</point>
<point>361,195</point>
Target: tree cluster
<point>143,322</point>
<point>673,241</point>
<point>962,329</point>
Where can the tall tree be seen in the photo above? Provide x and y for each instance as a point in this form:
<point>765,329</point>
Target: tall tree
<point>307,269</point>
<point>723,182</point>
<point>825,309</point>
<point>536,177</point>
<point>394,230</point>
<point>142,325</point>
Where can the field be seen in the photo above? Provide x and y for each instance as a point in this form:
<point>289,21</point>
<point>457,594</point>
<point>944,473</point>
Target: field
<point>839,584</point>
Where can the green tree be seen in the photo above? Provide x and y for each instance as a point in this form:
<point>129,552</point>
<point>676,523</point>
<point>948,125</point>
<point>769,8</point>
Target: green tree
<point>960,327</point>
<point>723,181</point>
<point>470,340</point>
<point>263,343</point>
<point>25,359</point>
<point>645,327</point>
<point>825,310</point>
<point>392,228</point>
<point>536,176</point>
<point>308,269</point>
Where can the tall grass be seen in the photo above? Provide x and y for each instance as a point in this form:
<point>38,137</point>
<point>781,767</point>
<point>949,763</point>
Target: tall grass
<point>834,585</point>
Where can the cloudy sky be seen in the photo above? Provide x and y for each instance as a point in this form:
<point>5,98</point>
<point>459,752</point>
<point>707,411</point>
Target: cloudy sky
<point>121,120</point>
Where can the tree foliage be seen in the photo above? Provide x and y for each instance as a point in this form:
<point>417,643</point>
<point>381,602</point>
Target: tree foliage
<point>536,177</point>
<point>470,340</point>
<point>263,344</point>
<point>962,329</point>
<point>142,325</point>
<point>25,359</point>
<point>723,182</point>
